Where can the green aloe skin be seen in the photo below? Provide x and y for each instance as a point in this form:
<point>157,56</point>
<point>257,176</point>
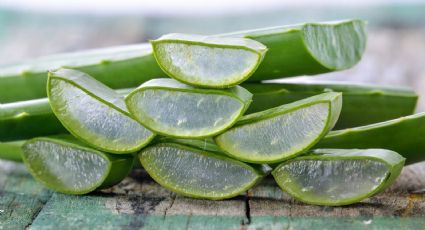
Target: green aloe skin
<point>11,150</point>
<point>198,169</point>
<point>308,48</point>
<point>21,120</point>
<point>213,62</point>
<point>66,165</point>
<point>405,135</point>
<point>337,177</point>
<point>362,105</point>
<point>292,50</point>
<point>171,108</point>
<point>282,132</point>
<point>94,113</point>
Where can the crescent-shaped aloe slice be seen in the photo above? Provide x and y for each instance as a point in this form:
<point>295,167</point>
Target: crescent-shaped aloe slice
<point>283,132</point>
<point>405,135</point>
<point>338,176</point>
<point>171,108</point>
<point>94,113</point>
<point>21,120</point>
<point>195,172</point>
<point>363,104</point>
<point>214,62</point>
<point>66,165</point>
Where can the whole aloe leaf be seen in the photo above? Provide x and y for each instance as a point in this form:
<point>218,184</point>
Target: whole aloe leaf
<point>303,49</point>
<point>405,135</point>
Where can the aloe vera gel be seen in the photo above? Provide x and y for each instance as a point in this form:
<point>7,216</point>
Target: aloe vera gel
<point>171,108</point>
<point>283,132</point>
<point>338,176</point>
<point>215,62</point>
<point>94,113</point>
<point>66,165</point>
<point>195,172</point>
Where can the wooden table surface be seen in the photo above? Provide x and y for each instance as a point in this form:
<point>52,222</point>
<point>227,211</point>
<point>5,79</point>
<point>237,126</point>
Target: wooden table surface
<point>140,203</point>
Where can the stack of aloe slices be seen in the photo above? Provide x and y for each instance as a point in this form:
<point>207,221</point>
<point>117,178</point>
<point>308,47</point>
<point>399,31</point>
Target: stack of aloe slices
<point>203,134</point>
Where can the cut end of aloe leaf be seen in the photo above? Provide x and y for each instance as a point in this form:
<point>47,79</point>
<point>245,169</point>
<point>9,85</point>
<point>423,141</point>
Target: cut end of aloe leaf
<point>283,132</point>
<point>65,166</point>
<point>174,109</point>
<point>338,176</point>
<point>94,113</point>
<point>208,61</point>
<point>197,173</point>
<point>336,45</point>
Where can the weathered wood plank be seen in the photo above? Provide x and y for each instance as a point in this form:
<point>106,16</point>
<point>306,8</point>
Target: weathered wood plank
<point>352,223</point>
<point>21,198</point>
<point>135,205</point>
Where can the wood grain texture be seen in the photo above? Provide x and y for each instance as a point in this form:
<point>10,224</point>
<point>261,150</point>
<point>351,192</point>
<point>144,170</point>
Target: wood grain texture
<point>140,203</point>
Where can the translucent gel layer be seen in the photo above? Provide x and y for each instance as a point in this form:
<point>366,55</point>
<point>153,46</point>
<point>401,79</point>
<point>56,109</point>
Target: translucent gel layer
<point>204,64</point>
<point>196,174</point>
<point>185,114</point>
<point>64,167</point>
<point>94,121</point>
<point>331,180</point>
<point>277,137</point>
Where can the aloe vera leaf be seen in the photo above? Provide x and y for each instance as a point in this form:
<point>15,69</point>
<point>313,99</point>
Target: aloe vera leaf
<point>308,48</point>
<point>338,176</point>
<point>363,104</point>
<point>11,150</point>
<point>171,108</point>
<point>65,164</point>
<point>21,120</point>
<point>290,53</point>
<point>194,172</point>
<point>94,113</point>
<point>117,67</point>
<point>282,132</point>
<point>405,135</point>
<point>213,62</point>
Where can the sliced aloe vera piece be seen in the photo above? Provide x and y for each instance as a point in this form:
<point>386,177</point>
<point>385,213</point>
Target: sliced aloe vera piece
<point>216,62</point>
<point>171,108</point>
<point>64,164</point>
<point>405,135</point>
<point>338,176</point>
<point>94,113</point>
<point>21,120</point>
<point>363,104</point>
<point>283,132</point>
<point>191,171</point>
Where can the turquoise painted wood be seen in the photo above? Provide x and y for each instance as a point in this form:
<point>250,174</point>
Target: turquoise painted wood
<point>140,203</point>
